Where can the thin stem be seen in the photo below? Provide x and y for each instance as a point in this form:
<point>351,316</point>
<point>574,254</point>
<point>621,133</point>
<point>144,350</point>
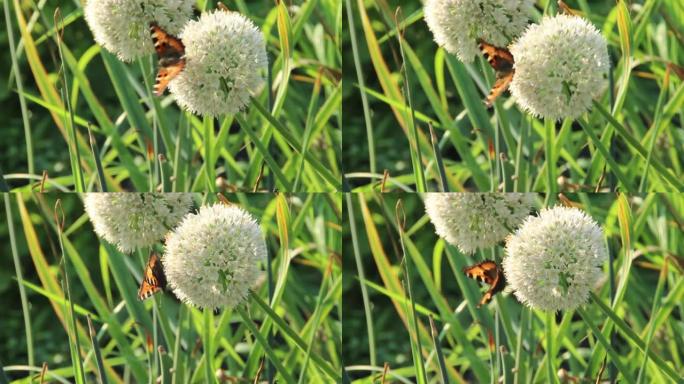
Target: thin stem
<point>20,91</point>
<point>362,279</point>
<point>20,279</point>
<point>549,137</point>
<point>362,87</point>
<point>208,325</point>
<point>549,347</point>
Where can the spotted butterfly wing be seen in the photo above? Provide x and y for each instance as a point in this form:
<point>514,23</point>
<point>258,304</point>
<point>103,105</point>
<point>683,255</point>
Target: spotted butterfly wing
<point>490,273</point>
<point>502,61</point>
<point>154,279</point>
<point>171,53</point>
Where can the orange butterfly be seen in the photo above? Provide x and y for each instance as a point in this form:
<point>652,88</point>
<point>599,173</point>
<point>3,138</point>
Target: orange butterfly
<point>501,60</point>
<point>490,273</point>
<point>171,53</point>
<point>154,279</point>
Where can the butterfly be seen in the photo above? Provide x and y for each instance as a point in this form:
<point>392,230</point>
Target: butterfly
<point>154,279</point>
<point>171,53</point>
<point>490,273</point>
<point>501,60</point>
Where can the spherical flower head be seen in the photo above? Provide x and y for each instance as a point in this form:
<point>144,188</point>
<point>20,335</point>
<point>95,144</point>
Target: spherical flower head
<point>225,61</point>
<point>123,26</point>
<point>134,220</point>
<point>561,65</point>
<point>211,258</point>
<point>477,220</point>
<point>553,260</point>
<point>457,24</point>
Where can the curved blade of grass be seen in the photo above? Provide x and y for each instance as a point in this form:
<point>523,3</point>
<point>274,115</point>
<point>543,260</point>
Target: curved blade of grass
<point>626,183</point>
<point>295,144</point>
<point>264,344</point>
<point>299,342</point>
<point>103,120</point>
<point>634,143</point>
<point>631,336</point>
<point>614,356</point>
<point>261,147</point>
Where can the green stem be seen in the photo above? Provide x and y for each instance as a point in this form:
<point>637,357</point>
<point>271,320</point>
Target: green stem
<point>208,326</point>
<point>20,90</point>
<point>287,378</point>
<point>550,132</point>
<point>20,279</point>
<point>549,347</point>
<point>362,86</point>
<point>362,278</point>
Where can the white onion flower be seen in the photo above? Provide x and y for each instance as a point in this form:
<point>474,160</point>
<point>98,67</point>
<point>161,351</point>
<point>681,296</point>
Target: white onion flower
<point>553,260</point>
<point>123,26</point>
<point>561,65</point>
<point>457,24</point>
<point>225,57</point>
<point>477,220</point>
<point>134,220</point>
<point>212,258</point>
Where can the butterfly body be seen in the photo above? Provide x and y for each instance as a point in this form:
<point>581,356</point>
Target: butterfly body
<point>153,279</point>
<point>171,53</point>
<point>502,61</point>
<point>490,273</point>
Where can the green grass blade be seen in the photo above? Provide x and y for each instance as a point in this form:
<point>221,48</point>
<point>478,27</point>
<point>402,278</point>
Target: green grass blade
<point>264,344</point>
<point>20,279</point>
<point>629,333</point>
<point>102,377</point>
<point>614,356</point>
<point>20,88</point>
<point>362,276</point>
<point>440,355</point>
<point>361,82</point>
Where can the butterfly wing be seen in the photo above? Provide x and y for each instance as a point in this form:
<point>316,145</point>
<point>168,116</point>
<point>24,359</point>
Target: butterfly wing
<point>487,272</point>
<point>502,61</point>
<point>503,80</point>
<point>170,51</point>
<point>165,44</point>
<point>497,286</point>
<point>165,75</point>
<point>499,58</point>
<point>154,279</point>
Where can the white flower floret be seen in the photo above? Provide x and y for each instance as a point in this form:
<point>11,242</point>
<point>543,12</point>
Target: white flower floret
<point>212,258</point>
<point>457,24</point>
<point>134,220</point>
<point>226,60</point>
<point>561,65</point>
<point>123,26</point>
<point>553,260</point>
<point>477,220</point>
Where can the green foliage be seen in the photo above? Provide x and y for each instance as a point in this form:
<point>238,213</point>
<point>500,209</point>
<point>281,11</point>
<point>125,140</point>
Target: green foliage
<point>146,143</point>
<point>404,82</point>
<point>282,337</point>
<point>630,328</point>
